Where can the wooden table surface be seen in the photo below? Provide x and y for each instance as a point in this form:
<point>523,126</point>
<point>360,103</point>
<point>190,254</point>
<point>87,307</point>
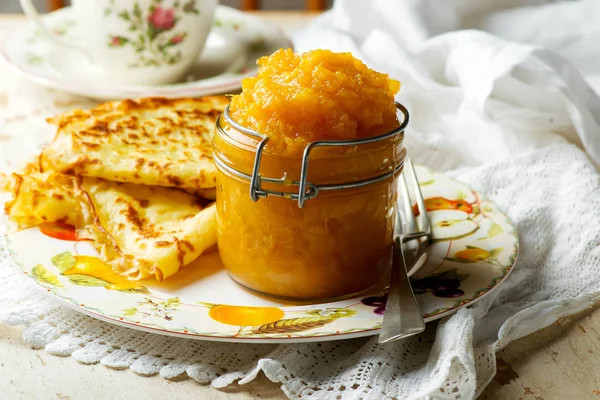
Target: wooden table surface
<point>559,362</point>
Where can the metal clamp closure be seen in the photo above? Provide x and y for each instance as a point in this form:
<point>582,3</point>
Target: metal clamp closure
<point>306,190</point>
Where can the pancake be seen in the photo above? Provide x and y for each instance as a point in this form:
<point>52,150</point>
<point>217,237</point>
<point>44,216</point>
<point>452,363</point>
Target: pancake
<point>129,175</point>
<point>39,197</point>
<point>141,231</point>
<point>151,141</point>
<point>144,231</point>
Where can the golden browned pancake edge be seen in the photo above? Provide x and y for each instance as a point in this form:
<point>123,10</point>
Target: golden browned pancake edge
<point>144,231</point>
<point>150,141</point>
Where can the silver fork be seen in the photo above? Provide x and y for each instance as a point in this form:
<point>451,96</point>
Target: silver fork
<point>402,317</point>
<point>416,231</point>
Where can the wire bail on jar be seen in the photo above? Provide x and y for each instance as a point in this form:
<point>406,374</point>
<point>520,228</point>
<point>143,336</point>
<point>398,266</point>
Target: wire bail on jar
<point>306,190</point>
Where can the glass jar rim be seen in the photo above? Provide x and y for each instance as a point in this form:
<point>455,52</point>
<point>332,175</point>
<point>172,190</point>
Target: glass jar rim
<point>354,142</point>
<point>306,190</point>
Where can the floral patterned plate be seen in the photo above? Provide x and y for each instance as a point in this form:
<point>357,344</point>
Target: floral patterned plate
<point>232,48</point>
<point>475,247</point>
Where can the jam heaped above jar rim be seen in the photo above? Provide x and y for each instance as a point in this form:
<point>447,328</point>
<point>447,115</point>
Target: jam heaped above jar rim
<point>318,95</point>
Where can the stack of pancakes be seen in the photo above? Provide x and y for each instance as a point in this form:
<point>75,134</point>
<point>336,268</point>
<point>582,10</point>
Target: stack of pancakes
<point>137,177</point>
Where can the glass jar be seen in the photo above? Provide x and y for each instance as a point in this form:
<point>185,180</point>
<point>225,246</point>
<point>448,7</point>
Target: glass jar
<point>339,241</point>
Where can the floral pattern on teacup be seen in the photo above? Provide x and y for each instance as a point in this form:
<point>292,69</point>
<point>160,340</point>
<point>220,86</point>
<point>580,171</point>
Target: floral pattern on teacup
<point>153,32</point>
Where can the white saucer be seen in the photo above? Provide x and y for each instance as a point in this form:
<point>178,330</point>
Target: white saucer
<point>230,55</point>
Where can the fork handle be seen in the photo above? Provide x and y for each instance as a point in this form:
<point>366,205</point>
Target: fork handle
<point>402,314</point>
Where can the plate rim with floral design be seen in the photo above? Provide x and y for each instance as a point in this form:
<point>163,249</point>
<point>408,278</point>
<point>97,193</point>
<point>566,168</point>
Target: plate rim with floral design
<point>14,48</point>
<point>471,266</point>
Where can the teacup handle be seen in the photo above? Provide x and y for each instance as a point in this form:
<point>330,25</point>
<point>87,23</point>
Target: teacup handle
<point>32,14</point>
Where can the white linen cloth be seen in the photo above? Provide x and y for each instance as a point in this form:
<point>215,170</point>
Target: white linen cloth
<point>507,112</point>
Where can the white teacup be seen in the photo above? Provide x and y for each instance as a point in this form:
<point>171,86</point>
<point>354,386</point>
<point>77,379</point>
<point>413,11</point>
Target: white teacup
<point>149,42</point>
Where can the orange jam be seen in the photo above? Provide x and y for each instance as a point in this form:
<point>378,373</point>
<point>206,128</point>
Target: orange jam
<point>340,242</point>
<point>319,95</point>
